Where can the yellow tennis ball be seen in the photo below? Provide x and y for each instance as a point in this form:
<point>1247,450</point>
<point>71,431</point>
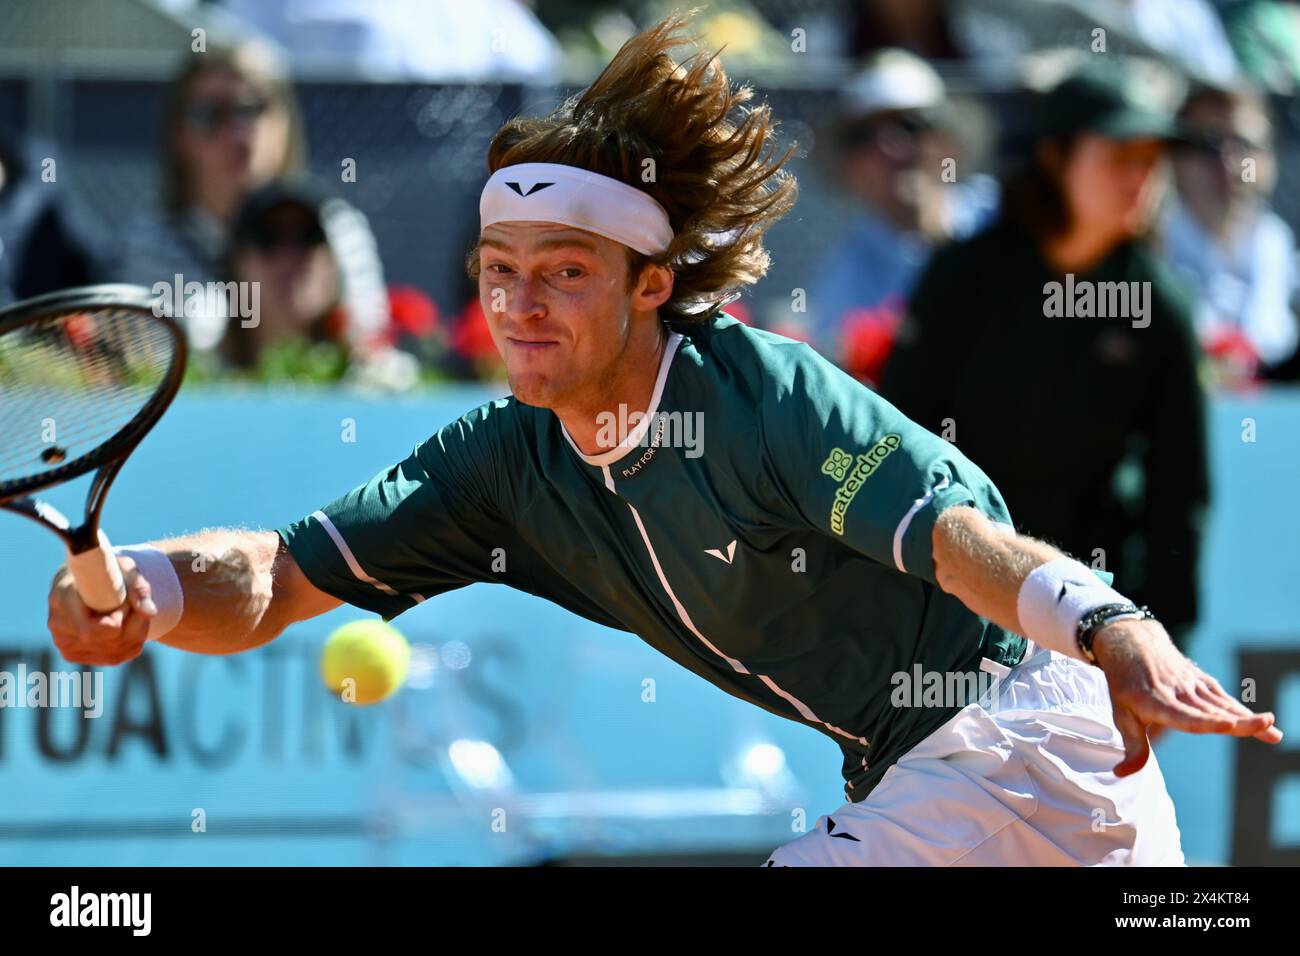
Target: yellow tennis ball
<point>365,661</point>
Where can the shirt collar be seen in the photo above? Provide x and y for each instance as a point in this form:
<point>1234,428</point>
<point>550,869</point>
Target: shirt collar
<point>636,436</point>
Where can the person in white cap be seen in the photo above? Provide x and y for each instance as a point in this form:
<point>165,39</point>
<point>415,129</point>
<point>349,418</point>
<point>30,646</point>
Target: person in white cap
<point>758,516</point>
<point>899,157</point>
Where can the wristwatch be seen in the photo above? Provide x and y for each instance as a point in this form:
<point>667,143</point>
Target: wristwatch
<point>1099,617</point>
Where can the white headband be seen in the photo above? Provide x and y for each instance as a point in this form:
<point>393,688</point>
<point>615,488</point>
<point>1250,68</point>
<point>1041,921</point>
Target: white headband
<point>551,192</point>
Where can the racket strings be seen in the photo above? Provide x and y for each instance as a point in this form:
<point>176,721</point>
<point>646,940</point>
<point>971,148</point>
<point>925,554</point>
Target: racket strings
<point>70,382</point>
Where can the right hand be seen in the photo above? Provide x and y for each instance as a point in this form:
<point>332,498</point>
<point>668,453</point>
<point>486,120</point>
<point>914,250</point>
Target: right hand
<point>84,636</point>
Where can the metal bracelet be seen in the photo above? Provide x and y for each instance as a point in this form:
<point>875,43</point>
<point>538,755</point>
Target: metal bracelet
<point>1098,618</point>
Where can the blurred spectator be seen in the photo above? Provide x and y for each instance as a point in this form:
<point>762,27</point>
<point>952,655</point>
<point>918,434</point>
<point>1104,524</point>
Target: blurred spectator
<point>44,246</point>
<point>231,124</point>
<point>315,317</point>
<point>898,156</point>
<point>1265,35</point>
<point>1050,397</point>
<point>1236,253</point>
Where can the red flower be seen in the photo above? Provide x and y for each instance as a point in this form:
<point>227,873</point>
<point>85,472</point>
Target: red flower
<point>80,330</point>
<point>868,338</point>
<point>471,337</point>
<point>740,312</point>
<point>1235,362</point>
<point>413,313</point>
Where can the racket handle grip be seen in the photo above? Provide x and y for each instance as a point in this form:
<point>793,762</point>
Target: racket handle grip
<point>98,577</point>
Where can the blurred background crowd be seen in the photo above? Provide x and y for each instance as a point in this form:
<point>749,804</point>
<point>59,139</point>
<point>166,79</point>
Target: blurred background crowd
<point>332,151</point>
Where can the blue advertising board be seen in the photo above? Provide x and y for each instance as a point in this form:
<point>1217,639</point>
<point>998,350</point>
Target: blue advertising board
<point>524,732</point>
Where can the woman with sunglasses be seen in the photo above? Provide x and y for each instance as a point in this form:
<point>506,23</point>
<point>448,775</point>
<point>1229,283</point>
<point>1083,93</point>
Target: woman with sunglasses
<point>1226,241</point>
<point>231,124</point>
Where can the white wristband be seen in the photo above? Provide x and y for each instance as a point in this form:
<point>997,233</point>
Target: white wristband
<point>164,586</point>
<point>1054,599</point>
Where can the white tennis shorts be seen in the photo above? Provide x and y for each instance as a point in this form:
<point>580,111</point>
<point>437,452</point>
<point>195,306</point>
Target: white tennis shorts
<point>1023,782</point>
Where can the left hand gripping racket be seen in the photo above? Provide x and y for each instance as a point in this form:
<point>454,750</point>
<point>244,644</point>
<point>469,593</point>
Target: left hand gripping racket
<point>84,374</point>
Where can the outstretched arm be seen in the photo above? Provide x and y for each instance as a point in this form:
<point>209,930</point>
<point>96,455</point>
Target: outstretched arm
<point>985,565</point>
<point>239,590</point>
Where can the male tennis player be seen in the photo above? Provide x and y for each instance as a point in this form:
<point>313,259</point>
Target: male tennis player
<point>815,545</point>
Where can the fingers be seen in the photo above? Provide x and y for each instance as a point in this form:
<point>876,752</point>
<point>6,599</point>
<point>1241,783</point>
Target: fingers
<point>1261,726</point>
<point>1270,735</point>
<point>1183,697</point>
<point>1267,730</point>
<point>1195,714</point>
<point>139,595</point>
<point>96,646</point>
<point>1136,747</point>
<point>84,636</point>
<point>80,651</point>
<point>1209,691</point>
<point>135,629</point>
<point>1155,684</point>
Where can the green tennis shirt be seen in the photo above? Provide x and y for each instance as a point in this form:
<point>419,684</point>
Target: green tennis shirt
<point>766,525</point>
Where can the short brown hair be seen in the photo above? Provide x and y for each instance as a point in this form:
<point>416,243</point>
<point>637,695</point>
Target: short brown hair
<point>719,179</point>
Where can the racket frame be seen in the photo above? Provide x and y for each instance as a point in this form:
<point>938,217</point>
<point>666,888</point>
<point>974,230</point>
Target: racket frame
<point>109,456</point>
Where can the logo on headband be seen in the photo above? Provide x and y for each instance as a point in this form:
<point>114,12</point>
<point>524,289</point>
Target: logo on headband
<point>534,188</point>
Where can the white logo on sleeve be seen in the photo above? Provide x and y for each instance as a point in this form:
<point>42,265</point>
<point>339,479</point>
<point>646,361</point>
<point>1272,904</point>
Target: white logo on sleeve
<point>731,553</point>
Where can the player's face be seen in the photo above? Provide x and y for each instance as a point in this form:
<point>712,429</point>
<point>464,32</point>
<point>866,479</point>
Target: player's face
<point>559,309</point>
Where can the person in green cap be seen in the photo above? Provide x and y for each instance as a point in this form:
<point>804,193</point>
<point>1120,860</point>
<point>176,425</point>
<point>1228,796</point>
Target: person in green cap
<point>1058,350</point>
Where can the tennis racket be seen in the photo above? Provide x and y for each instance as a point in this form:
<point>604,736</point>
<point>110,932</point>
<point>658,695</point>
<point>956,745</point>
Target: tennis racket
<point>84,375</point>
